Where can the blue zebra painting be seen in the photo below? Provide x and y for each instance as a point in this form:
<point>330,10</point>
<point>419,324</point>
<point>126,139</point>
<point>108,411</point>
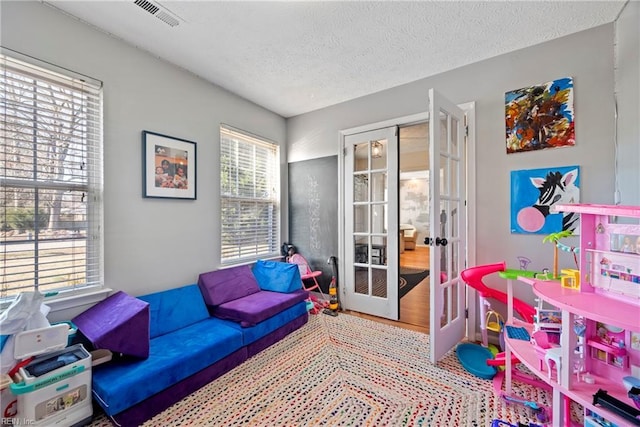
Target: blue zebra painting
<point>534,193</point>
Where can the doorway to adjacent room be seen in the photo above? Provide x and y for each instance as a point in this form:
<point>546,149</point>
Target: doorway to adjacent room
<point>399,260</point>
<point>413,216</point>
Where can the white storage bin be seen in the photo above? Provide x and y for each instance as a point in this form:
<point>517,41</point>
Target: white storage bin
<point>55,387</point>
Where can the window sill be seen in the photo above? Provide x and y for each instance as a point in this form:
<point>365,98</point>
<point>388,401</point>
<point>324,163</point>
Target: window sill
<point>230,264</point>
<point>72,299</point>
<point>67,305</point>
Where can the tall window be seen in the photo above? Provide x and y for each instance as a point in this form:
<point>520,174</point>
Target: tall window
<point>50,180</point>
<point>249,193</point>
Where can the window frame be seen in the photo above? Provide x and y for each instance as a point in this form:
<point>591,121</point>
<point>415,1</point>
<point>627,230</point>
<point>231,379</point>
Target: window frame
<point>242,202</point>
<point>85,181</point>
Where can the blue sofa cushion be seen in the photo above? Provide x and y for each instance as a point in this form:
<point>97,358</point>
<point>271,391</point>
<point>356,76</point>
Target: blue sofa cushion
<point>174,309</point>
<point>255,308</point>
<point>172,357</point>
<point>277,276</point>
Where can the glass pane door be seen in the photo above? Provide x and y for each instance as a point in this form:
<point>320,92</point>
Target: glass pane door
<point>371,276</point>
<point>448,227</point>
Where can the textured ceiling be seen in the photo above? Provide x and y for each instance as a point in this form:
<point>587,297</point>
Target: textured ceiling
<point>295,57</point>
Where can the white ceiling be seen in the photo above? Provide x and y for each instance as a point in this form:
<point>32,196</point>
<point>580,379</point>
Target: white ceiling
<point>295,57</point>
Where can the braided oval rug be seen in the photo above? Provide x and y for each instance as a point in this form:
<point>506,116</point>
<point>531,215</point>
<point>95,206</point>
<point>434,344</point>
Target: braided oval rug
<point>346,371</point>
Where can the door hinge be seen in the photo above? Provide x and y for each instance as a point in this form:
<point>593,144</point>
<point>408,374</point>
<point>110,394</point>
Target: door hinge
<point>466,313</point>
<point>466,130</point>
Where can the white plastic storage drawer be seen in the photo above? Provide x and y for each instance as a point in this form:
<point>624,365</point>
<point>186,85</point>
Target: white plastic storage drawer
<point>56,388</point>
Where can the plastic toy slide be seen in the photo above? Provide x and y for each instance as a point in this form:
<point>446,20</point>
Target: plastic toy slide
<point>473,277</point>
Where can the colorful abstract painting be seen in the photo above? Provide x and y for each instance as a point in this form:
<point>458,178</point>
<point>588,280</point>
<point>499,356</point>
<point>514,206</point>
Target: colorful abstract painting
<point>540,117</point>
<point>533,194</point>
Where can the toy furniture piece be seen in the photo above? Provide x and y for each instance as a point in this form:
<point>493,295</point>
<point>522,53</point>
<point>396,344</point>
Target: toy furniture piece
<point>308,276</point>
<point>409,236</point>
<point>553,357</point>
<point>494,321</point>
<point>541,344</point>
<point>548,321</point>
<point>570,278</point>
<point>606,306</point>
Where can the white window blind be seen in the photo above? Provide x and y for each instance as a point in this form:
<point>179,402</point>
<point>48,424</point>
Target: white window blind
<point>249,192</point>
<point>50,179</point>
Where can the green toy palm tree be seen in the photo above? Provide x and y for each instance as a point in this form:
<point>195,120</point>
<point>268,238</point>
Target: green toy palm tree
<point>555,238</point>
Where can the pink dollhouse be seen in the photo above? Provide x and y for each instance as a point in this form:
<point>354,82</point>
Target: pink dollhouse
<point>599,349</point>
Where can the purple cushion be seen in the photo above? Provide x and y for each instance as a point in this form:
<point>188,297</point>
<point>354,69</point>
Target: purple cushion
<point>226,285</point>
<point>255,308</point>
<point>119,323</point>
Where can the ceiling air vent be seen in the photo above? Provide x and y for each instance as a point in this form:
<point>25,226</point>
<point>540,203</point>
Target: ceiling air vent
<point>167,19</point>
<point>158,11</point>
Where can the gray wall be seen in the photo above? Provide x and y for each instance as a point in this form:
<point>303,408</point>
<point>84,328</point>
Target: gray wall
<point>150,244</point>
<point>313,207</point>
<point>586,56</point>
<point>628,98</point>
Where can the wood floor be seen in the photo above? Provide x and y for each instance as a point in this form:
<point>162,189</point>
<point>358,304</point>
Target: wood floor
<point>414,307</point>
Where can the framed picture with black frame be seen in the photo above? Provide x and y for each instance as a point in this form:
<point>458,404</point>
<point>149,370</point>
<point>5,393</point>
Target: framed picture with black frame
<point>168,167</point>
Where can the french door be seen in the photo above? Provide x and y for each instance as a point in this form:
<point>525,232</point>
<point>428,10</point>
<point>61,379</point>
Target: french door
<point>371,230</point>
<point>448,239</point>
<point>371,222</point>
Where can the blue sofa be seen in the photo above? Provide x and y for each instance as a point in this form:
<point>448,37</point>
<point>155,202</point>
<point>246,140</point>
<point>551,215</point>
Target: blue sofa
<point>189,347</point>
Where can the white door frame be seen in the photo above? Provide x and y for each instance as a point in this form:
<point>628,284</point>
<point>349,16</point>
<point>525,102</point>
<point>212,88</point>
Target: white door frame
<point>469,109</point>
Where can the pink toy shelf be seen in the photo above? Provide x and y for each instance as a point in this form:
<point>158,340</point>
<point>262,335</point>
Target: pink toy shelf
<point>606,305</point>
